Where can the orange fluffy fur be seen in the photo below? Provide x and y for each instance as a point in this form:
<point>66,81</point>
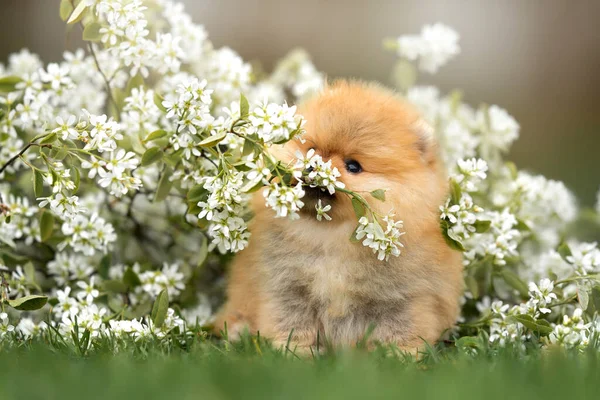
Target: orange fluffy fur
<point>307,276</point>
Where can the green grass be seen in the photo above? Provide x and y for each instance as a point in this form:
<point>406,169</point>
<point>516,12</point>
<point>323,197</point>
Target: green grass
<point>212,370</point>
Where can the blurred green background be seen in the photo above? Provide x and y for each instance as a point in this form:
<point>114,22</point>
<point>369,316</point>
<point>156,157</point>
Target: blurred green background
<point>539,59</point>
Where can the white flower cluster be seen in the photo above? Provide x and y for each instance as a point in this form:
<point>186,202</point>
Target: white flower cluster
<point>584,257</point>
<point>543,204</point>
<point>88,234</point>
<point>505,328</point>
<point>285,200</point>
<point>572,332</point>
<point>79,315</point>
<point>67,268</point>
<point>312,170</point>
<point>191,107</point>
<point>124,31</point>
<point>462,131</point>
<point>223,208</point>
<point>383,242</point>
<point>143,329</point>
<point>152,282</point>
<point>499,242</point>
<point>227,73</point>
<point>5,327</point>
<point>433,47</point>
<point>296,73</point>
<point>23,222</point>
<point>274,123</point>
<point>462,214</point>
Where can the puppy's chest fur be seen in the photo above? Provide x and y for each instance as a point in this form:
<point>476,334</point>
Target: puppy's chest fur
<point>329,283</point>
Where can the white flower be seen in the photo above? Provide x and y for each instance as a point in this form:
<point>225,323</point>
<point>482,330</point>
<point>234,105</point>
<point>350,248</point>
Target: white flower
<point>28,329</point>
<point>65,129</point>
<point>469,172</point>
<point>434,47</point>
<point>383,243</point>
<point>88,234</point>
<point>584,257</point>
<point>56,75</point>
<point>499,130</point>
<point>285,200</point>
<point>542,295</point>
<point>322,211</point>
<point>62,206</point>
<point>311,169</point>
<point>88,291</point>
<point>5,326</point>
<point>274,123</point>
<point>117,177</point>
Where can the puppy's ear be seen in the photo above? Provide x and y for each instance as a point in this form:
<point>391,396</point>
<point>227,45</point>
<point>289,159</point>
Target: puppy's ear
<point>426,143</point>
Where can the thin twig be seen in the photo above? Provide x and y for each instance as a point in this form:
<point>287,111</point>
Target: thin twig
<point>14,158</point>
<point>106,80</point>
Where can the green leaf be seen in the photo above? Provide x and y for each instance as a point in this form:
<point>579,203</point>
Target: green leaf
<point>77,13</point>
<point>104,266</point>
<point>38,183</point>
<point>248,148</point>
<point>252,187</point>
<point>130,278</point>
<point>152,155</point>
<point>452,243</point>
<point>522,226</point>
<point>359,209</point>
<point>196,193</point>
<point>596,298</point>
<point>212,140</point>
<point>28,303</point>
<point>472,285</point>
<point>76,178</point>
<point>160,308</point>
<point>46,225</point>
<point>135,82</point>
<point>59,154</point>
<point>66,8</point>
<point>482,226</point>
<point>160,133</point>
<point>158,99</point>
<point>164,186</point>
<point>51,138</point>
<point>12,259</point>
<point>353,237</point>
<point>542,326</point>
<point>114,286</point>
<point>379,194</point>
<point>583,297</point>
<point>244,106</point>
<point>8,83</point>
<point>29,271</point>
<point>564,250</point>
<point>455,192</point>
<point>91,32</point>
<point>514,281</point>
<point>465,342</point>
<point>203,252</point>
<point>512,168</point>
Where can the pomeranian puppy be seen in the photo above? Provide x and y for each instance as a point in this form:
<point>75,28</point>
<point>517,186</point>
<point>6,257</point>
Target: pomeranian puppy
<point>307,277</point>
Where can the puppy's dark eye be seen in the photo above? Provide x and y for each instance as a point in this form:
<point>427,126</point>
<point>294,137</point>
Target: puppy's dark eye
<point>353,166</point>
